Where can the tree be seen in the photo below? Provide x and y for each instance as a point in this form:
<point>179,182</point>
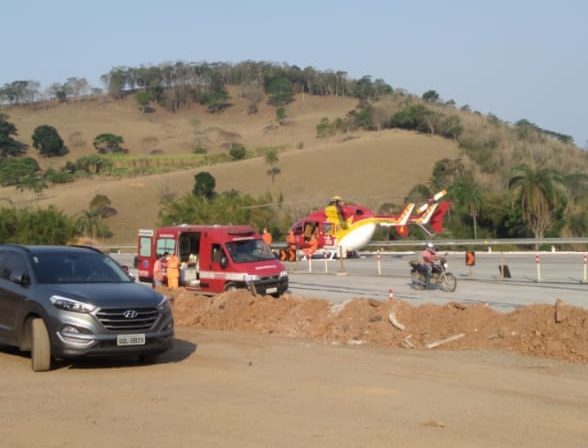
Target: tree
<point>204,184</point>
<point>90,224</point>
<point>143,99</point>
<point>238,152</point>
<point>8,145</point>
<point>537,192</point>
<point>18,92</point>
<point>32,182</point>
<point>271,158</point>
<point>280,91</point>
<point>431,96</point>
<point>281,114</point>
<point>47,140</point>
<point>76,87</point>
<point>108,143</point>
<point>468,194</point>
<point>102,205</point>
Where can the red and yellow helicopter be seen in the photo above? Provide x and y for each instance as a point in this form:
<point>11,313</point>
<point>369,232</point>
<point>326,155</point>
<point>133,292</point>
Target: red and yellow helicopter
<point>341,228</point>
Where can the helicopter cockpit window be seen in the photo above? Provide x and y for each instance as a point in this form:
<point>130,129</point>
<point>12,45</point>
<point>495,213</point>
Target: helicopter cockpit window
<point>309,229</point>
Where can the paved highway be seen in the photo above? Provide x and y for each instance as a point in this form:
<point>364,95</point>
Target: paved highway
<point>561,276</point>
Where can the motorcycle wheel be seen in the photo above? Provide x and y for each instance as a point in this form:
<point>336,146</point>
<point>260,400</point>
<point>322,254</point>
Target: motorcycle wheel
<point>418,280</point>
<point>448,282</point>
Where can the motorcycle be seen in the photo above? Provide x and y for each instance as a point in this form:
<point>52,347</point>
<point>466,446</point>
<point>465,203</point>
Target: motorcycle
<point>446,281</point>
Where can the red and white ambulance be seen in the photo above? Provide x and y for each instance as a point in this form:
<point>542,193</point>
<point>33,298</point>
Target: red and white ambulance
<point>214,258</point>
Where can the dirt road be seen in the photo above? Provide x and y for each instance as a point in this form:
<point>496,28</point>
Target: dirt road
<point>225,389</point>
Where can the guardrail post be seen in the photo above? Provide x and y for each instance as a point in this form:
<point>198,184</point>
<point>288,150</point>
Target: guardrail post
<point>379,262</point>
<point>585,280</point>
<point>326,263</point>
<point>538,263</point>
<point>310,263</point>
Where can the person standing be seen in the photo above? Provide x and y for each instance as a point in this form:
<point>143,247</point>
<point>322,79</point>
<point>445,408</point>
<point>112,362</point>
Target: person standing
<point>266,236</point>
<point>158,273</point>
<point>311,247</point>
<point>291,240</point>
<point>173,271</point>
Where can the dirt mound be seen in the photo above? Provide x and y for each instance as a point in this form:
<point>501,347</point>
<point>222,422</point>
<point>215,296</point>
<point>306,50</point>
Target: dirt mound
<point>558,331</point>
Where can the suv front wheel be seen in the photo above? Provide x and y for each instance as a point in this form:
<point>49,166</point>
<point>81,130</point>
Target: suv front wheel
<point>41,347</point>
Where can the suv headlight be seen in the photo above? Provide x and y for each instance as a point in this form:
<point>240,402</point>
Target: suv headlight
<point>164,304</point>
<point>63,303</point>
<point>283,274</point>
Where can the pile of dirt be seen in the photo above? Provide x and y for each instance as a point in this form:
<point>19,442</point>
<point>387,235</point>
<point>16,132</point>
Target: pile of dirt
<point>555,331</point>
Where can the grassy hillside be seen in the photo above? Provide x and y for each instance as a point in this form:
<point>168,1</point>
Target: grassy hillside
<point>368,167</point>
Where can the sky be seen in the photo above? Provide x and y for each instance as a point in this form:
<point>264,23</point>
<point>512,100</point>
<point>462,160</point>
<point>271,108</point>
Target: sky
<point>515,59</point>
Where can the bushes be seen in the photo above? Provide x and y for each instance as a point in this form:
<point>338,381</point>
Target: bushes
<point>13,170</point>
<point>40,226</point>
<point>238,152</point>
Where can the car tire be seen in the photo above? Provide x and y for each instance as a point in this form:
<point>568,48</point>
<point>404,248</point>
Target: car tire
<point>448,282</point>
<point>41,346</point>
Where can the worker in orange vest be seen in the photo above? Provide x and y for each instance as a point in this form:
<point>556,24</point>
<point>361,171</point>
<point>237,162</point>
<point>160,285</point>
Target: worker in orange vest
<point>173,271</point>
<point>291,240</point>
<point>266,236</point>
<point>311,247</point>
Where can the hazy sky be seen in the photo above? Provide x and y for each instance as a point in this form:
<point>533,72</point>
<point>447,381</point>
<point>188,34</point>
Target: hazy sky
<point>516,59</point>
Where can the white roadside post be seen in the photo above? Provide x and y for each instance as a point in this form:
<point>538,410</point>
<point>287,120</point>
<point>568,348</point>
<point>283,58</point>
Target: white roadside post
<point>379,262</point>
<point>326,263</point>
<point>585,280</point>
<point>309,257</point>
<point>341,262</point>
<point>538,263</point>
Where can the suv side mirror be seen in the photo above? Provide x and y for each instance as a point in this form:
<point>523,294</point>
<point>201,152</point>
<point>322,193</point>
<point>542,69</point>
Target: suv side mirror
<point>20,278</point>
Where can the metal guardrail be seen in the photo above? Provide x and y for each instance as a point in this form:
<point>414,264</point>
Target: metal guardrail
<point>419,243</point>
<point>483,242</point>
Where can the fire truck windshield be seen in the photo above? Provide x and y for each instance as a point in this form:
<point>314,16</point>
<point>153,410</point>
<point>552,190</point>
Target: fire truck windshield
<point>245,251</point>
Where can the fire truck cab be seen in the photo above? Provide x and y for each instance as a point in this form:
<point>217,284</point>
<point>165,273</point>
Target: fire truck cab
<point>214,258</point>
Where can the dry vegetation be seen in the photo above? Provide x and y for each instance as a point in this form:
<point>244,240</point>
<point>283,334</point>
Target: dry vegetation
<point>371,167</point>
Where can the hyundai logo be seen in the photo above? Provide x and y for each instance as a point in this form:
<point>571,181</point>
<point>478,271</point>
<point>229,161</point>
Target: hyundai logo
<point>130,314</point>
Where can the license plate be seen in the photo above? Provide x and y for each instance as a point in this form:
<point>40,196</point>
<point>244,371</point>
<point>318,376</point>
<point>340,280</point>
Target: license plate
<point>130,339</point>
<point>271,290</point>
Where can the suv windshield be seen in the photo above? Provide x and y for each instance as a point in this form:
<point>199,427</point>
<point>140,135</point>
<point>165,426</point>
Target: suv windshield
<point>249,250</point>
<point>58,267</point>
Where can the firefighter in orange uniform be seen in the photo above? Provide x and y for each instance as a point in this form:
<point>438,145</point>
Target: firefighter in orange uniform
<point>173,271</point>
<point>311,247</point>
<point>291,240</point>
<point>266,236</point>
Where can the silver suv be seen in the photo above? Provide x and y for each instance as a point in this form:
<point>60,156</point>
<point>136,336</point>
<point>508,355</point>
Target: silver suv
<point>70,301</point>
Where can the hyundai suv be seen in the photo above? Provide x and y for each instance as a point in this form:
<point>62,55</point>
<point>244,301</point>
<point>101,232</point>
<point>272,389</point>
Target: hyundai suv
<point>72,301</point>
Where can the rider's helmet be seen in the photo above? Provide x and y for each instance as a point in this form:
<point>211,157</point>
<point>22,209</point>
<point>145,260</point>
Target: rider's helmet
<point>430,246</point>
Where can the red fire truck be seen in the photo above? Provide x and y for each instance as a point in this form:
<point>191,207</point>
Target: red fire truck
<point>214,258</point>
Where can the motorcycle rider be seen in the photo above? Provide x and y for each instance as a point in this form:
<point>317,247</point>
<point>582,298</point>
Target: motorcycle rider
<point>429,256</point>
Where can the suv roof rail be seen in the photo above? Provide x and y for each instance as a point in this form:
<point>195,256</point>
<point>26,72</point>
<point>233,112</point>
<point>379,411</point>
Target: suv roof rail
<point>82,246</point>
